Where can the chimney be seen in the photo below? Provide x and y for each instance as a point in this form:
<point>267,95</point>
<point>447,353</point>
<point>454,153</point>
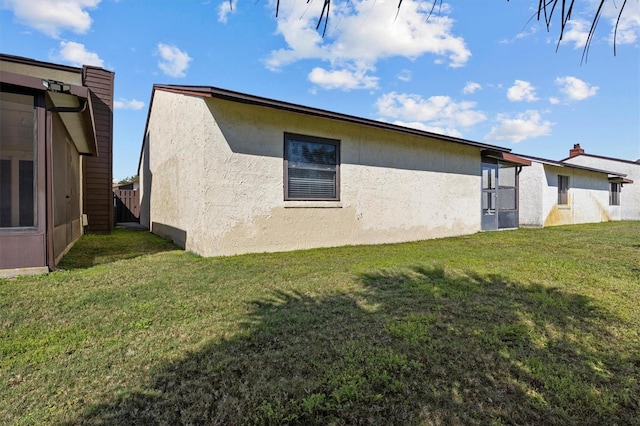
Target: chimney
<point>576,150</point>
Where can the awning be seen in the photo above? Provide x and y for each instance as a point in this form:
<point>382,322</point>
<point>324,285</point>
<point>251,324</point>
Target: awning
<point>76,113</point>
<point>619,179</point>
<point>505,157</point>
<point>73,106</point>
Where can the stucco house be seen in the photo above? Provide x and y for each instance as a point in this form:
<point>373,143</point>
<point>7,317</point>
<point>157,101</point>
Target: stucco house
<point>224,173</point>
<point>561,193</point>
<point>629,195</point>
<point>55,160</point>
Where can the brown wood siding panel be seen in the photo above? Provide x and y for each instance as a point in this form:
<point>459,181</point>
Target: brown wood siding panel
<point>99,164</point>
<point>98,195</point>
<point>98,83</point>
<point>99,169</point>
<point>101,119</point>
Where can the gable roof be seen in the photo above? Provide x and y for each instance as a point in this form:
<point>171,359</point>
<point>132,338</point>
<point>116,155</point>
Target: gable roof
<point>229,95</point>
<point>562,163</point>
<point>602,157</point>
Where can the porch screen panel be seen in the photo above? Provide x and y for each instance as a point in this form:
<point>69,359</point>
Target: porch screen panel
<point>5,193</point>
<point>311,168</point>
<point>507,199</point>
<point>18,147</point>
<point>27,193</point>
<point>507,195</point>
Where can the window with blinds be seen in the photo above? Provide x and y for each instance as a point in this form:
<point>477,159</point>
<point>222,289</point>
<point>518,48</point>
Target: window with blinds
<point>311,168</point>
<point>563,190</point>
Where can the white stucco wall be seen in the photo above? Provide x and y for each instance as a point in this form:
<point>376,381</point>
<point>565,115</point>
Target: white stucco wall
<point>532,183</point>
<point>630,194</point>
<point>212,180</point>
<point>588,196</point>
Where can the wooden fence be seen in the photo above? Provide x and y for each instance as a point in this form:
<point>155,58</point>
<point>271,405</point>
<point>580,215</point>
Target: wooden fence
<point>126,205</point>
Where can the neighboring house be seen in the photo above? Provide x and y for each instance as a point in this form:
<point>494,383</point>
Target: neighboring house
<point>628,195</point>
<point>559,193</point>
<point>126,186</point>
<point>225,173</point>
<point>55,160</point>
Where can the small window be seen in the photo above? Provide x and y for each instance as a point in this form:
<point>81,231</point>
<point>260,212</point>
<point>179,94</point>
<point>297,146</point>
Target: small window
<point>311,168</point>
<point>614,194</point>
<point>563,190</point>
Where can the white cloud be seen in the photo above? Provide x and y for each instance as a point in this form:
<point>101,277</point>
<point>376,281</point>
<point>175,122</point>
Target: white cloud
<point>174,62</point>
<point>405,75</point>
<point>523,126</point>
<point>531,29</point>
<point>433,129</point>
<point>554,101</point>
<point>361,33</point>
<point>628,31</point>
<point>522,91</point>
<point>77,55</point>
<point>225,9</point>
<point>342,79</point>
<point>436,111</point>
<point>471,87</point>
<point>51,17</point>
<point>629,24</point>
<point>575,89</point>
<point>576,32</point>
<point>128,104</point>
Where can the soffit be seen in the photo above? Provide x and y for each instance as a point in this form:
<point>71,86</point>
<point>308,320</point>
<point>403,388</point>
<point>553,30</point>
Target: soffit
<point>76,113</point>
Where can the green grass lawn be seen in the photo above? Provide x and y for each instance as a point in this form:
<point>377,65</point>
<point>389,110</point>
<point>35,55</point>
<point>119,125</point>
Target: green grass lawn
<point>534,326</point>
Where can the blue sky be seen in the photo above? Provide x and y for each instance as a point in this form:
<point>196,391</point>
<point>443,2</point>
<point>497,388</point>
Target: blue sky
<point>481,70</point>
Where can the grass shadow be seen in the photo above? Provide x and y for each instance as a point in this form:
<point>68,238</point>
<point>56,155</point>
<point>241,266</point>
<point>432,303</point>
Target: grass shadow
<point>96,249</point>
<point>416,345</point>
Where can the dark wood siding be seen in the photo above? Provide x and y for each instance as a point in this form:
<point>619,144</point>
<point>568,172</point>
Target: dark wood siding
<point>98,195</point>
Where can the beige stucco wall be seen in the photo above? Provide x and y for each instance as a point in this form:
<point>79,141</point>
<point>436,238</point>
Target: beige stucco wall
<point>212,180</point>
<point>630,194</point>
<point>41,72</point>
<point>588,197</point>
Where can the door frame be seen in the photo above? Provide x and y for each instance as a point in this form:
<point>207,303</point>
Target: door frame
<point>489,196</point>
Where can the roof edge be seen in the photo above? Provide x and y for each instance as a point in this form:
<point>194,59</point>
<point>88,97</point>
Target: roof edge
<point>561,163</point>
<point>602,157</point>
<point>210,91</point>
<point>619,179</point>
<point>29,61</point>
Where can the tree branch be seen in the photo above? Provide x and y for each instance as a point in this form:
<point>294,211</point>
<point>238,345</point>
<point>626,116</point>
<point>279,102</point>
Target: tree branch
<point>546,10</point>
